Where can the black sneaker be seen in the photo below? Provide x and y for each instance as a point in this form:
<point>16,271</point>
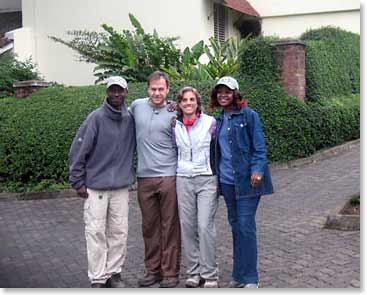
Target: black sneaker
<point>115,282</point>
<point>169,282</point>
<point>235,284</point>
<point>98,285</point>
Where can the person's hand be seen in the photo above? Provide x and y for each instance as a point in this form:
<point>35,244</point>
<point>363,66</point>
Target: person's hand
<point>173,122</point>
<point>82,192</point>
<point>256,179</point>
<point>171,106</point>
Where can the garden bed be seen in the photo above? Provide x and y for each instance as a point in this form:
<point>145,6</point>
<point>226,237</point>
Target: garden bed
<point>348,218</point>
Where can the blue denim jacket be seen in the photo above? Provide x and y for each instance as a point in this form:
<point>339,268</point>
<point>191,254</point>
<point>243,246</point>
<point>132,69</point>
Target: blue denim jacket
<point>248,152</point>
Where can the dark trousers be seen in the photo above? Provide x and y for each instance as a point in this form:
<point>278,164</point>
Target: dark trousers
<point>161,228</point>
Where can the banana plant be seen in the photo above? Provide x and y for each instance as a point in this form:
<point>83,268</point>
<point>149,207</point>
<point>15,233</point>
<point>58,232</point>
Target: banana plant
<point>189,67</point>
<point>132,54</point>
<point>224,58</point>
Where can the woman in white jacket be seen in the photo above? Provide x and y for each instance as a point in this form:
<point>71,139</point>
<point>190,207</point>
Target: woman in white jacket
<point>196,188</point>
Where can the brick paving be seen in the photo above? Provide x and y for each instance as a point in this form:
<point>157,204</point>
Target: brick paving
<point>42,241</point>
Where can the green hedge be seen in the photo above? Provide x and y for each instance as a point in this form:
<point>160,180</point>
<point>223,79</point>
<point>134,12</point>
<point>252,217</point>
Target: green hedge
<point>287,127</point>
<point>332,63</point>
<point>258,66</point>
<point>36,132</point>
<point>337,118</point>
<point>294,129</point>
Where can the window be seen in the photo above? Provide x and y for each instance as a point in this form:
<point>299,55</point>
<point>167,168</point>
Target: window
<point>219,23</point>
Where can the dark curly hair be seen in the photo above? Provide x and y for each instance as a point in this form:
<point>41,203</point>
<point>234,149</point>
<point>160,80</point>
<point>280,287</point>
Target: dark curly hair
<point>213,104</point>
<point>179,97</point>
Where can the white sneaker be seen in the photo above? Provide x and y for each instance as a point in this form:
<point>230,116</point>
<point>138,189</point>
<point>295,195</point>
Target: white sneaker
<point>211,284</point>
<point>193,281</point>
<point>252,286</point>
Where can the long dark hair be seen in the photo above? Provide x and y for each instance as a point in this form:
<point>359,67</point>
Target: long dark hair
<point>237,102</point>
<point>179,97</point>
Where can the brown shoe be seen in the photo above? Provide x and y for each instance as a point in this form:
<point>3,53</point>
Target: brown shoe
<point>169,282</point>
<point>149,279</point>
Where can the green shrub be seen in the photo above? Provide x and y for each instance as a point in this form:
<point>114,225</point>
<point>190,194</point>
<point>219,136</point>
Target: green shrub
<point>293,129</point>
<point>328,33</point>
<point>332,63</point>
<point>37,131</point>
<point>286,125</point>
<point>355,201</point>
<point>135,54</point>
<point>338,118</point>
<point>258,66</point>
<point>287,128</point>
<point>12,70</point>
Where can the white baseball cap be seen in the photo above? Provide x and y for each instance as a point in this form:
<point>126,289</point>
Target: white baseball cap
<point>116,80</point>
<point>230,82</point>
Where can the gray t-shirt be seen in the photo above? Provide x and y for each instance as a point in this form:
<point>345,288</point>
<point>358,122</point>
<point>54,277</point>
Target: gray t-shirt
<point>157,154</point>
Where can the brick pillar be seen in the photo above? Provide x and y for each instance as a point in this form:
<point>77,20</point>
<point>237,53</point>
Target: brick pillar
<point>290,58</point>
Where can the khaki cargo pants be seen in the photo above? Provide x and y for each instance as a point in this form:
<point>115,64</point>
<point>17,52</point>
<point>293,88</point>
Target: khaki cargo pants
<point>106,229</point>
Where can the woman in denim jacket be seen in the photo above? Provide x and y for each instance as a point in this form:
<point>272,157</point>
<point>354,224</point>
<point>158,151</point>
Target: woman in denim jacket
<point>243,175</point>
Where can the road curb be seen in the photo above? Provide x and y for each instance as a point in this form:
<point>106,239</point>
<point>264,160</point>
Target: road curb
<point>66,193</point>
<point>317,157</point>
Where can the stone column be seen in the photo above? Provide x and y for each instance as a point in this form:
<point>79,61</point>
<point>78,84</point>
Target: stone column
<point>290,58</point>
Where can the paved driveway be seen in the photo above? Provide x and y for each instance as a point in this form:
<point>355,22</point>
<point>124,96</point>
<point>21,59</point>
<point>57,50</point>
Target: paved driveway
<point>42,241</point>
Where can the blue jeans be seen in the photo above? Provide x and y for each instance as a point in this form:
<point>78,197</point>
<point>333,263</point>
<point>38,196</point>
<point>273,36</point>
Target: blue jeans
<point>241,217</point>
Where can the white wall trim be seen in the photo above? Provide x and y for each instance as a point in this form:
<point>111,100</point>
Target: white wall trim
<point>309,13</point>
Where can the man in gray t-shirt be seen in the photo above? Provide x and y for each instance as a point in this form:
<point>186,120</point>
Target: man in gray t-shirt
<point>157,161</point>
<point>157,154</point>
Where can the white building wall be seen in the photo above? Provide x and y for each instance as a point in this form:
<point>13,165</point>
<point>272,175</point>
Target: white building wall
<point>207,13</point>
<point>23,44</point>
<point>270,8</point>
<point>191,20</point>
<point>294,26</point>
<point>289,18</point>
<point>186,19</point>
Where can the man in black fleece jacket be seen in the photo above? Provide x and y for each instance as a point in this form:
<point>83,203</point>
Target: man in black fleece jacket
<point>101,170</point>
